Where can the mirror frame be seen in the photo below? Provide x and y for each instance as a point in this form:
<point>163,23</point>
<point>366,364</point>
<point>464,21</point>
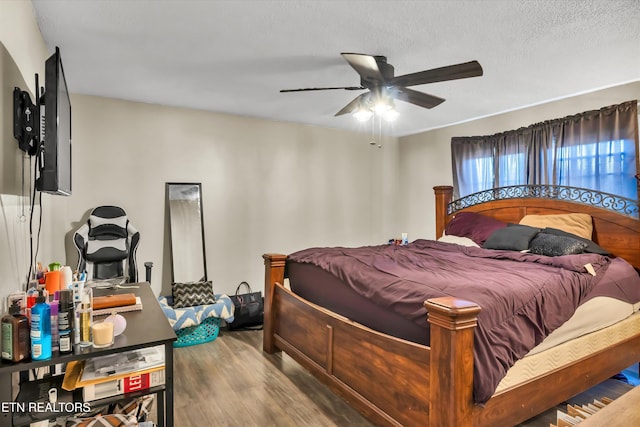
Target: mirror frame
<point>204,254</point>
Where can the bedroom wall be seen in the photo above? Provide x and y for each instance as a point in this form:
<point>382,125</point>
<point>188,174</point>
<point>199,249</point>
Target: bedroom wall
<point>267,186</point>
<point>22,54</point>
<point>425,158</point>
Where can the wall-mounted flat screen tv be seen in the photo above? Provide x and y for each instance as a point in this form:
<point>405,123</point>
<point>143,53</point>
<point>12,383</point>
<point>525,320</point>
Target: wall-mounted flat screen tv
<point>55,158</point>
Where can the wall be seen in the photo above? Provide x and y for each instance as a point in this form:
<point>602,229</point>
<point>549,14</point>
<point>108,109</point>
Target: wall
<point>22,54</point>
<point>267,186</point>
<point>425,158</point>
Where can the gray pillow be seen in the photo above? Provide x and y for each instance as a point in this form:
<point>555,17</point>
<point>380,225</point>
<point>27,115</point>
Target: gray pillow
<point>515,237</point>
<point>592,247</point>
<point>551,245</point>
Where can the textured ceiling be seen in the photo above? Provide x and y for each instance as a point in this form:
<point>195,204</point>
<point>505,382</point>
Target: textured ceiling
<point>234,56</point>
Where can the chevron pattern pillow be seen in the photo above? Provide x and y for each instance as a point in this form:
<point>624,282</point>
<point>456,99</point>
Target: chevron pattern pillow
<point>192,294</point>
<point>111,420</point>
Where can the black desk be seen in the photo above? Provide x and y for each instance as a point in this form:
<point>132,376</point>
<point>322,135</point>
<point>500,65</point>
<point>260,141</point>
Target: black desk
<point>146,328</point>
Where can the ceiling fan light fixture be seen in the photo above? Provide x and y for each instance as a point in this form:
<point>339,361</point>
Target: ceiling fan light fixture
<point>362,114</point>
<point>381,107</point>
<point>391,115</point>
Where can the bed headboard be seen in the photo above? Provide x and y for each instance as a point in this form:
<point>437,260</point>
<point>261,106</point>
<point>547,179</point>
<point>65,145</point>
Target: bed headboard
<point>616,223</point>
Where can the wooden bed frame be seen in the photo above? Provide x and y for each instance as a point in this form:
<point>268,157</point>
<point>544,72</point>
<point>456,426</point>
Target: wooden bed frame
<point>400,383</point>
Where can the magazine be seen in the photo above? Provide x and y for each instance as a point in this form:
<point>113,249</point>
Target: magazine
<point>105,367</point>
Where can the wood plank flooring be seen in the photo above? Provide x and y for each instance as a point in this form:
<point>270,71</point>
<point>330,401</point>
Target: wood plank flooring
<point>231,382</point>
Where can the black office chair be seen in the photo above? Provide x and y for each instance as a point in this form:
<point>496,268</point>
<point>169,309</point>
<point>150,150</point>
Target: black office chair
<point>107,246</point>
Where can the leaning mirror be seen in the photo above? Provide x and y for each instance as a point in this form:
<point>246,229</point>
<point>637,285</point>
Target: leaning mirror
<point>186,232</point>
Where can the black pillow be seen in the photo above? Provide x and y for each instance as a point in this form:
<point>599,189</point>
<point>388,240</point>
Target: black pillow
<point>551,245</point>
<point>592,247</point>
<point>515,237</point>
<point>191,294</point>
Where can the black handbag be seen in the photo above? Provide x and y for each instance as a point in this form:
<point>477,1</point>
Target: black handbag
<point>249,309</point>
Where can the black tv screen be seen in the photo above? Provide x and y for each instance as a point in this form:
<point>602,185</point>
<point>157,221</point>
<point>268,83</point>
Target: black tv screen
<point>55,158</point>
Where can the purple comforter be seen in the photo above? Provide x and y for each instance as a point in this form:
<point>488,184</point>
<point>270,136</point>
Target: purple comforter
<point>524,297</point>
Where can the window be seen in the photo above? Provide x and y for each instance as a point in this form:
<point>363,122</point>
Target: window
<point>607,166</point>
<point>594,150</point>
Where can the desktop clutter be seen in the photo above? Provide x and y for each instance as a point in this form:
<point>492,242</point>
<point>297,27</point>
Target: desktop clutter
<point>57,312</point>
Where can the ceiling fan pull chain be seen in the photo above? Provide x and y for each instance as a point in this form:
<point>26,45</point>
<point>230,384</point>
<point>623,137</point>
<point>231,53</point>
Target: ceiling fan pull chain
<point>379,130</point>
<point>373,131</point>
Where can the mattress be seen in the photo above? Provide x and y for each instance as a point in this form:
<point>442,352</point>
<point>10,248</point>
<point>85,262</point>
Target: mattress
<point>593,315</point>
<point>328,291</point>
<point>538,363</point>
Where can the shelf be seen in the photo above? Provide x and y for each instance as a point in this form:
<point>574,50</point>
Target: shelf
<point>145,328</point>
<point>33,401</point>
<point>113,399</point>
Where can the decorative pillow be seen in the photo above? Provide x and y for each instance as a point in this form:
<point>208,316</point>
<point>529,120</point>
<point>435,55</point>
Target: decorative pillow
<point>462,241</point>
<point>111,420</point>
<point>515,237</point>
<point>574,223</point>
<point>191,294</point>
<point>550,245</point>
<point>138,407</point>
<point>592,247</point>
<point>473,225</point>
<point>99,226</point>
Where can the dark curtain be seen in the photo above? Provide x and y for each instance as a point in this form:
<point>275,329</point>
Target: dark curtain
<point>595,149</point>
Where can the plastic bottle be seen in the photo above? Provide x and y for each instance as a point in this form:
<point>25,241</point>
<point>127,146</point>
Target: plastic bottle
<point>67,277</point>
<point>55,343</point>
<point>15,335</point>
<point>66,319</point>
<point>41,329</point>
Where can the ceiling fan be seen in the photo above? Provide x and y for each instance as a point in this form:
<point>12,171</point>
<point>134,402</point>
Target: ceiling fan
<point>377,76</point>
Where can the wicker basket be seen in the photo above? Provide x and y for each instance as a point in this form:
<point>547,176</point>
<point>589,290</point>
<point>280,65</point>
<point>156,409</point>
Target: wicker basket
<point>206,331</point>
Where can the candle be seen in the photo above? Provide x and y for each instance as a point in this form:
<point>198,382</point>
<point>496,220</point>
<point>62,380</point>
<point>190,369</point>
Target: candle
<point>102,334</point>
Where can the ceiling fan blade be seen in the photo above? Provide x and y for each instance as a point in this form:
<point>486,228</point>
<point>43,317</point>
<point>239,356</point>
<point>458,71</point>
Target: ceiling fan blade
<point>323,88</point>
<point>451,72</point>
<point>417,98</point>
<point>353,105</point>
<point>365,65</point>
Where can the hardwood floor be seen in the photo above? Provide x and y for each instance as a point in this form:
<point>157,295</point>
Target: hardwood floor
<point>231,382</point>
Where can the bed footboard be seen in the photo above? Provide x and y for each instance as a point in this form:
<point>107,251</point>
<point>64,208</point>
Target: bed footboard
<point>390,381</point>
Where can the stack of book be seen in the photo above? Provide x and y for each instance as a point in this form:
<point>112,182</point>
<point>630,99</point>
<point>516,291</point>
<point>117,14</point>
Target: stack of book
<point>123,385</point>
<point>117,303</point>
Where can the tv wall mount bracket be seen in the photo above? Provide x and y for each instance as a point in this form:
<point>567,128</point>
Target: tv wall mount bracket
<point>26,121</point>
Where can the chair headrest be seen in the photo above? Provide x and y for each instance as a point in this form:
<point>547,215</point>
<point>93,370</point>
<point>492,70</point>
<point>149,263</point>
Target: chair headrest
<point>108,221</point>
